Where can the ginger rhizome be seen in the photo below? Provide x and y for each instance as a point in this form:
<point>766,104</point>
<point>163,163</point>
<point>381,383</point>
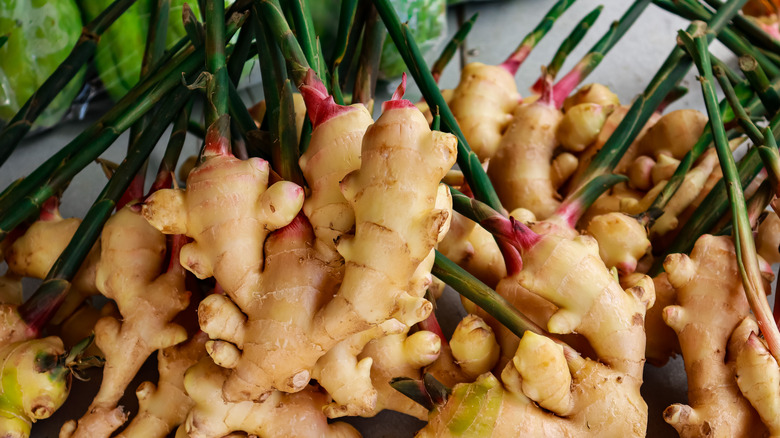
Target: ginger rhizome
<point>277,415</point>
<point>579,397</point>
<point>710,306</point>
<point>165,406</point>
<point>35,383</point>
<point>482,103</point>
<point>132,258</point>
<point>334,151</point>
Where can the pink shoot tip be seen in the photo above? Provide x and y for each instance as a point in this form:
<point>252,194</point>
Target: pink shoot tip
<point>319,103</point>
<point>397,101</point>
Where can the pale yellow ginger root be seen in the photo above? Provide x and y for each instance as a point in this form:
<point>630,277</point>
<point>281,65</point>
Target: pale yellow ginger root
<point>131,259</point>
<point>692,185</point>
<point>612,122</point>
<point>580,126</point>
<point>474,346</point>
<point>758,375</point>
<point>768,239</point>
<point>346,378</point>
<point>474,249</point>
<point>228,209</point>
<point>551,392</point>
<point>622,240</point>
<point>333,152</point>
<point>673,134</point>
<point>267,342</point>
<point>592,93</point>
<point>383,257</point>
<point>710,306</point>
<point>664,168</point>
<point>34,253</point>
<point>33,386</point>
<point>278,414</point>
<point>164,406</point>
<point>521,168</point>
<point>640,173</point>
<point>563,167</point>
<point>483,103</point>
<point>400,355</point>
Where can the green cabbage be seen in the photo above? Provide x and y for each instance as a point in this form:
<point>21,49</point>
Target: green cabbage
<point>41,34</point>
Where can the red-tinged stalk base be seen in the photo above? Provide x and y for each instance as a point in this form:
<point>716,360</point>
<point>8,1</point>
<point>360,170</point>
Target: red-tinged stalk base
<point>566,85</point>
<point>319,103</point>
<point>570,212</point>
<point>397,101</point>
<point>218,138</point>
<point>431,324</point>
<point>134,192</point>
<point>50,210</point>
<point>515,60</point>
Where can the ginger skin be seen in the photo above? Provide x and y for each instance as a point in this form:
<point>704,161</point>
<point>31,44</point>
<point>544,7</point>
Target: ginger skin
<point>482,103</point>
<point>164,406</point>
<point>276,415</point>
<point>132,256</point>
<point>710,305</point>
<point>584,398</point>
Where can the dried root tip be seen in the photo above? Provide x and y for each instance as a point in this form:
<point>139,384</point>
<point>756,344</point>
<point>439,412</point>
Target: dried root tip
<point>474,346</point>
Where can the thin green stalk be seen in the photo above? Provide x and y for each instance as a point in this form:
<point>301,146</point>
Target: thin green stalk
<point>368,64</point>
<point>452,47</point>
<point>271,69</point>
<point>347,15</point>
<point>530,41</point>
<point>572,40</point>
<point>593,58</point>
<point>241,51</point>
<point>194,28</point>
<point>20,124</point>
<point>165,172</point>
<point>307,38</point>
<point>91,143</point>
<point>467,160</point>
<point>574,206</point>
<point>197,129</point>
<point>774,57</point>
<point>288,137</point>
<point>743,236</point>
<point>693,10</point>
<point>3,39</point>
<point>672,71</point>
<point>353,44</point>
<point>760,83</point>
<point>771,159</point>
<point>43,304</point>
<point>738,109</point>
<point>753,32</point>
<point>733,77</point>
<point>217,87</point>
<point>273,18</point>
<point>483,296</point>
